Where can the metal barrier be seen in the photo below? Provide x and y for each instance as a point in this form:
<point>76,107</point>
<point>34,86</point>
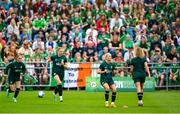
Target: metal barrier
<point>34,77</point>
<point>94,67</point>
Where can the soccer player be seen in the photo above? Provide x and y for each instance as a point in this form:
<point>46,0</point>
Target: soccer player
<point>140,67</point>
<point>14,70</point>
<point>59,65</point>
<point>107,69</point>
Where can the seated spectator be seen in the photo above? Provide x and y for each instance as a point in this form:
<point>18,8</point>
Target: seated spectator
<point>116,22</point>
<point>77,58</point>
<point>38,24</point>
<point>102,23</point>
<point>128,43</point>
<point>155,43</point>
<point>77,33</point>
<point>26,50</point>
<point>38,44</point>
<point>156,55</point>
<point>90,49</point>
<point>119,60</point>
<point>103,52</point>
<point>129,54</point>
<point>171,55</point>
<point>103,40</point>
<point>141,28</point>
<point>51,43</point>
<point>76,49</point>
<point>174,71</point>
<point>159,72</point>
<point>91,33</point>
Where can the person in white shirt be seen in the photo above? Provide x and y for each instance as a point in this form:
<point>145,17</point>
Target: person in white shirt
<point>116,22</point>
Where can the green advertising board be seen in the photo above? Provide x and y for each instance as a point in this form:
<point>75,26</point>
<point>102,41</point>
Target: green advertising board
<point>122,84</point>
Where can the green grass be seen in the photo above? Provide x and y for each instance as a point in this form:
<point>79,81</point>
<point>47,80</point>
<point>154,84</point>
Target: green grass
<point>84,102</point>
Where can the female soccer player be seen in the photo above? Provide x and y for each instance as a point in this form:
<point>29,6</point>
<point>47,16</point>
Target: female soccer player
<point>107,69</point>
<point>15,70</point>
<point>140,67</point>
<point>59,65</point>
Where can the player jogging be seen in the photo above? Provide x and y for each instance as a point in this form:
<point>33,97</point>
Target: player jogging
<point>14,70</point>
<point>59,65</point>
<point>107,69</point>
<point>140,67</point>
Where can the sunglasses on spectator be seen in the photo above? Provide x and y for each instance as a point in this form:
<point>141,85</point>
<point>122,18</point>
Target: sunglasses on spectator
<point>157,50</point>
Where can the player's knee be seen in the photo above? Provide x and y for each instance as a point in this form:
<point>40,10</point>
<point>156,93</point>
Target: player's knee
<point>107,88</point>
<point>17,89</point>
<point>114,93</point>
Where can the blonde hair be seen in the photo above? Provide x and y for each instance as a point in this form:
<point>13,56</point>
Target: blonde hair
<point>107,55</point>
<point>139,52</point>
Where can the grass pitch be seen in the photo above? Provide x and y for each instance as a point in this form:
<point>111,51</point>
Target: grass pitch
<point>89,102</point>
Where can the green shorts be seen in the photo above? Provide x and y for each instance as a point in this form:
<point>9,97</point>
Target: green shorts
<point>61,75</point>
<point>139,77</point>
<point>13,79</point>
<point>109,81</point>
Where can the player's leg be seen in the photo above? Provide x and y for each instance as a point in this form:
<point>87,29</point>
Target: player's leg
<point>11,87</point>
<point>139,93</point>
<point>113,87</point>
<point>18,85</point>
<point>107,89</point>
<point>59,87</point>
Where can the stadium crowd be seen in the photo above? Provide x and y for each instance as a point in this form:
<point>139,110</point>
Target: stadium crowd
<point>88,29</point>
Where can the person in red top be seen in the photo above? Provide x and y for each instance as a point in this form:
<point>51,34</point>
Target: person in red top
<point>39,7</point>
<point>102,23</point>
